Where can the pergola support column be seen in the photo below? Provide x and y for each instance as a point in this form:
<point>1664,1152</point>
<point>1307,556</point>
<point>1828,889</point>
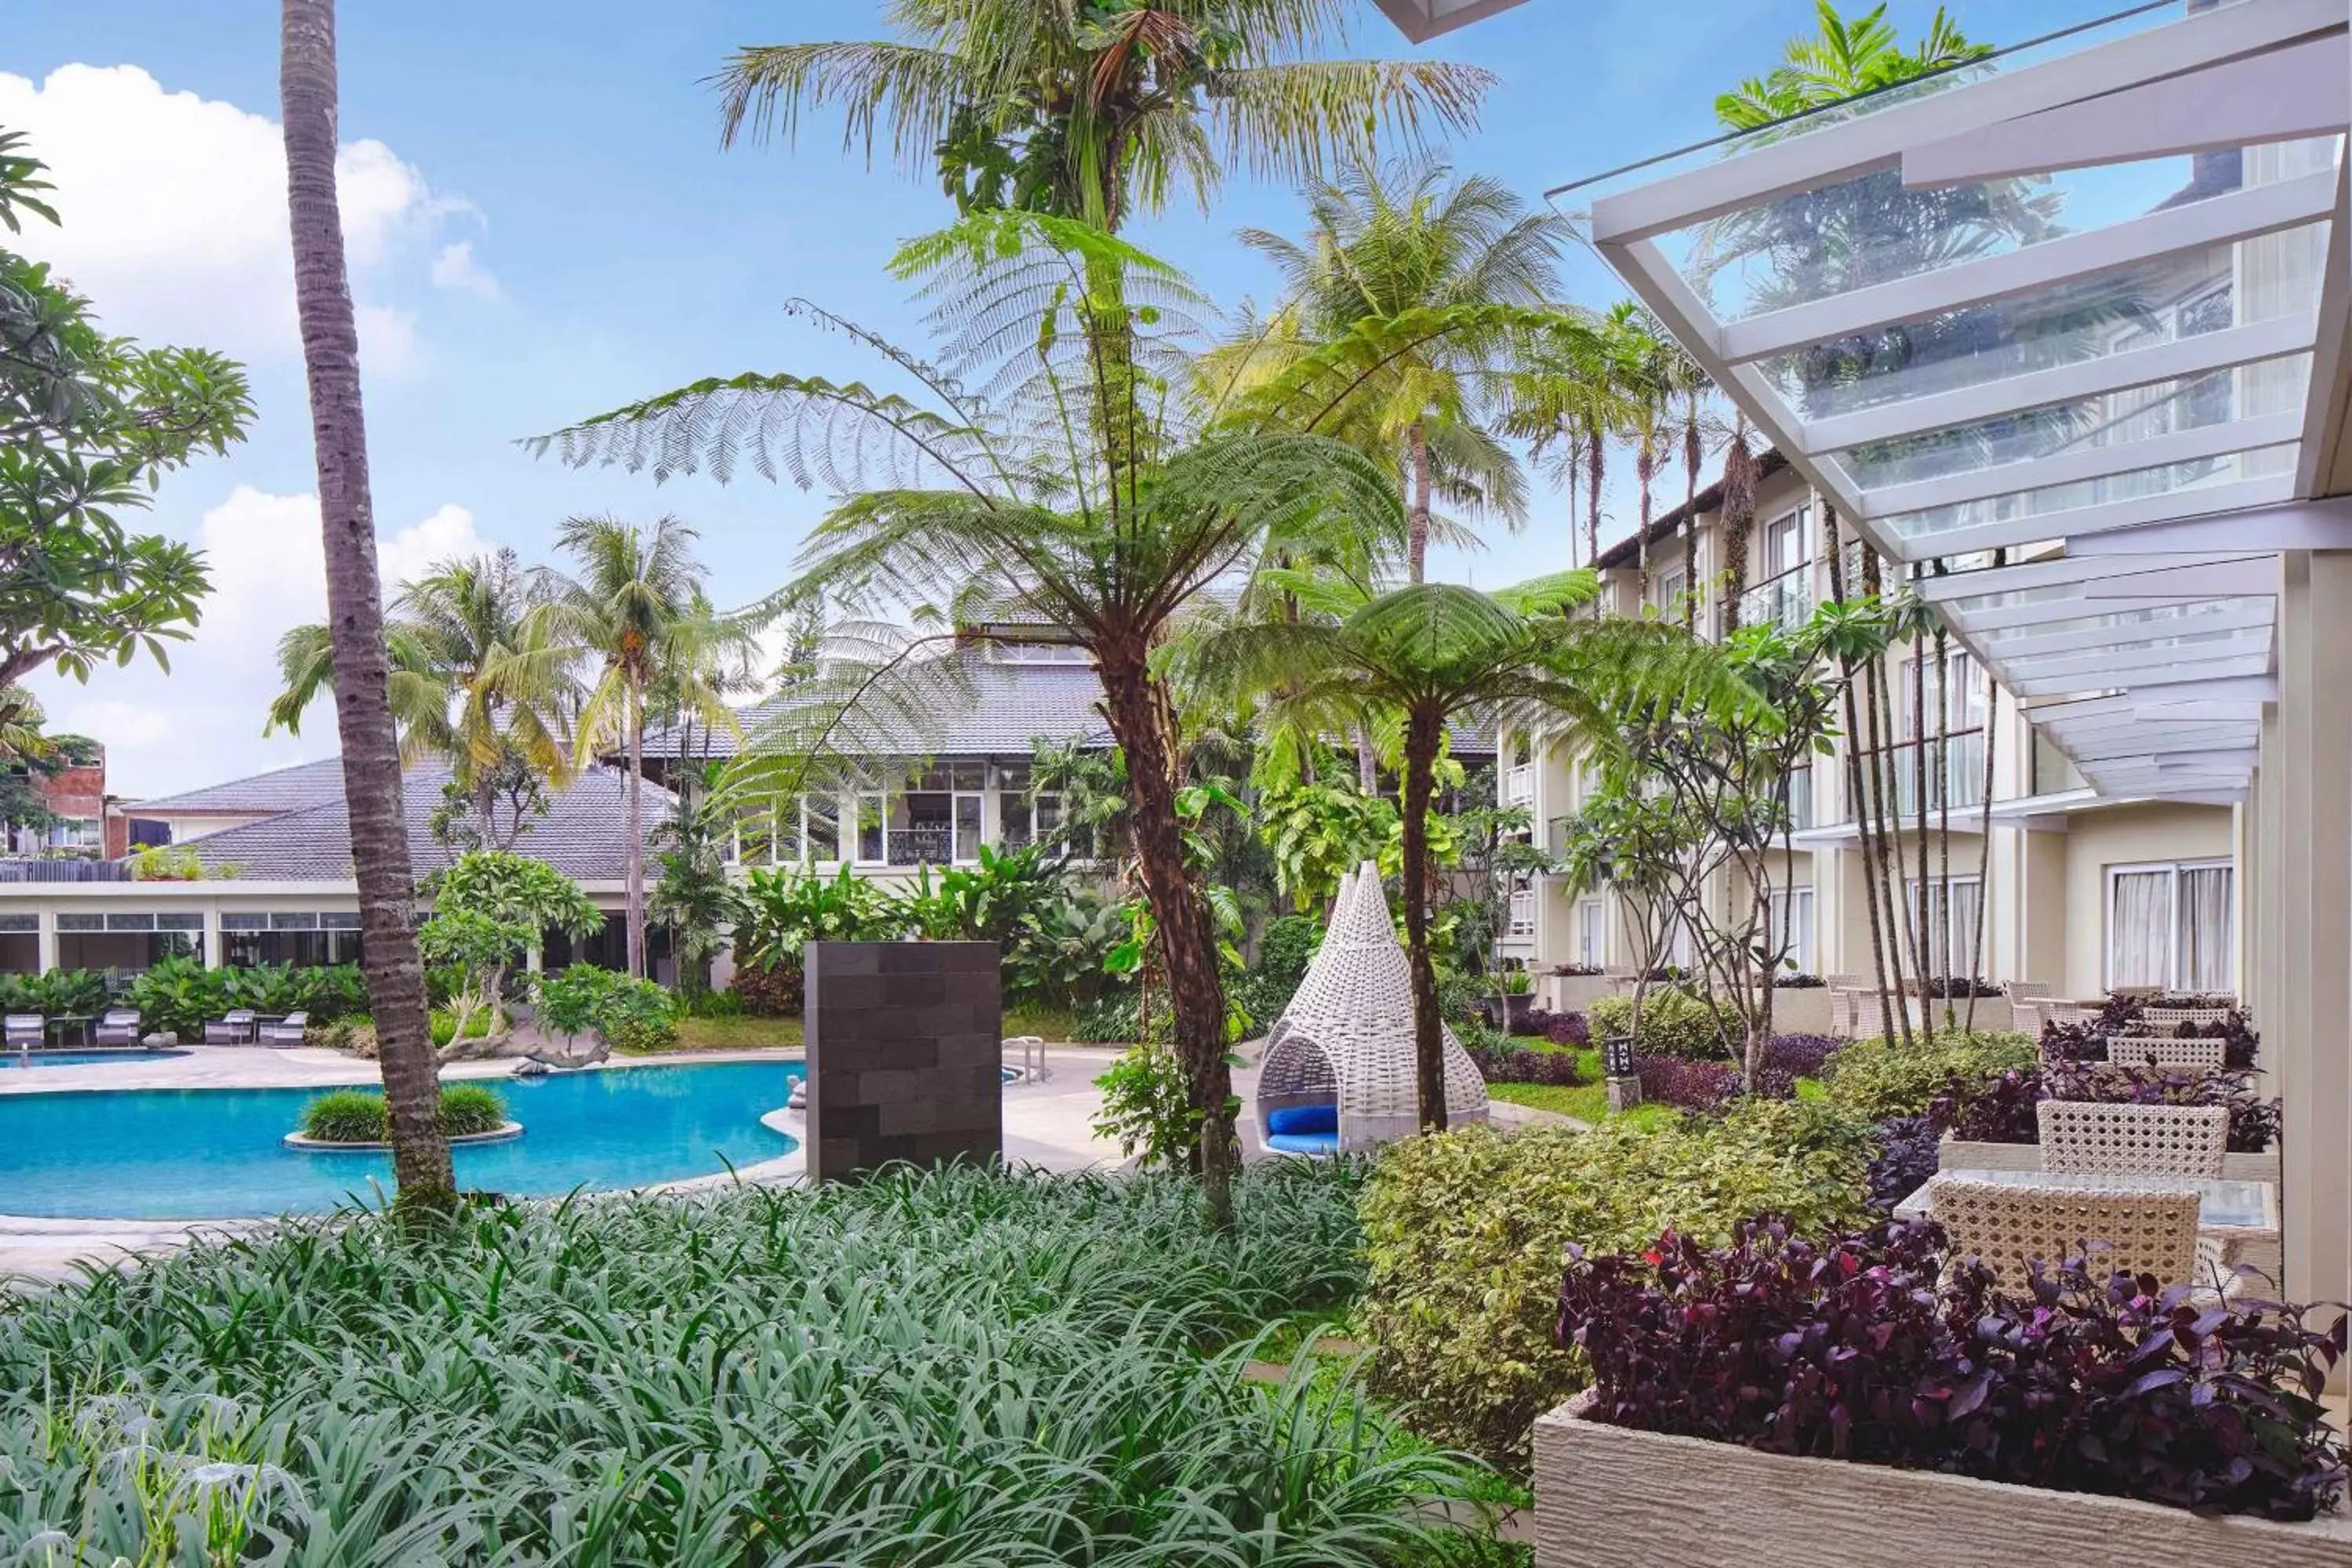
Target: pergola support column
<point>2304,822</point>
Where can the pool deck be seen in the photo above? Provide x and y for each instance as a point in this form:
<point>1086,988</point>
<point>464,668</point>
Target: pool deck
<point>1046,1123</point>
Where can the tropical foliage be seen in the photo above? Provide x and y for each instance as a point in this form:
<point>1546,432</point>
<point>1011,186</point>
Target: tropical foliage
<point>356,1116</point>
<point>628,1014</point>
<point>489,909</point>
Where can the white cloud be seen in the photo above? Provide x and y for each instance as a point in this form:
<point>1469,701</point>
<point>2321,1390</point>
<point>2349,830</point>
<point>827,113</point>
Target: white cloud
<point>202,723</point>
<point>174,209</point>
<point>455,268</point>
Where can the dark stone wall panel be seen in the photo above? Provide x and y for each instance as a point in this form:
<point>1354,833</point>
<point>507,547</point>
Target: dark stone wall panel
<point>904,1041</point>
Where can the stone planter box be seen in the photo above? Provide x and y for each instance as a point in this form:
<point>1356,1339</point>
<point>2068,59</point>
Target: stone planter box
<point>1572,992</point>
<point>1610,1495</point>
<point>505,1131</point>
<point>1957,1154</point>
<point>1803,1011</point>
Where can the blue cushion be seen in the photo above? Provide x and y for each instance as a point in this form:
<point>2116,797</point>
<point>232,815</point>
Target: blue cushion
<point>1303,1118</point>
<point>1303,1142</point>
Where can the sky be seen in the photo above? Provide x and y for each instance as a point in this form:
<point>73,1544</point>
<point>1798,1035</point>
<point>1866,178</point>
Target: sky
<point>544,225</point>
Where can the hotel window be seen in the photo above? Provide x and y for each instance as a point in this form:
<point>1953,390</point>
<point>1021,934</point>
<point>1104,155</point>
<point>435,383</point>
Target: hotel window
<point>291,936</point>
<point>1592,933</point>
<point>1785,541</point>
<point>1793,927</point>
<point>126,942</point>
<point>2172,925</point>
<point>1950,929</point>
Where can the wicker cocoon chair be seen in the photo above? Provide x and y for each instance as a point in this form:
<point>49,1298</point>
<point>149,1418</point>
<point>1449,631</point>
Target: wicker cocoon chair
<point>1347,1036</point>
<point>2007,1227</point>
<point>2133,1140</point>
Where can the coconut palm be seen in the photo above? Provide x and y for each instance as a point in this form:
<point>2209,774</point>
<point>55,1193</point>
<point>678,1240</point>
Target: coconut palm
<point>1846,58</point>
<point>1098,112</point>
<point>1423,655</point>
<point>474,681</point>
<point>634,609</point>
<point>1388,238</point>
<point>363,717</point>
<point>1071,500</point>
<point>1572,395</point>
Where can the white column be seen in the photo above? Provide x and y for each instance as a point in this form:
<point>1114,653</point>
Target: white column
<point>214,955</point>
<point>2305,1019</point>
<point>47,941</point>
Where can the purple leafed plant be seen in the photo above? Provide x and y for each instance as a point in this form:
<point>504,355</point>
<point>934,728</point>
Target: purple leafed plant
<point>1906,1158</point>
<point>1704,1087</point>
<point>1789,1057</point>
<point>1510,1064</point>
<point>1569,1029</point>
<point>2001,1110</point>
<point>1869,1348</point>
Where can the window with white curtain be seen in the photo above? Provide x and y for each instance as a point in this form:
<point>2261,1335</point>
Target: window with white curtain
<point>1949,925</point>
<point>1792,924</point>
<point>2172,925</point>
<point>1591,939</point>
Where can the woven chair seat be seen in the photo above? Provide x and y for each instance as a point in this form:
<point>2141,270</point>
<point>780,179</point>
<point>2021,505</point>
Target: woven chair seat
<point>1347,1036</point>
<point>2008,1228</point>
<point>2126,1140</point>
<point>2195,1055</point>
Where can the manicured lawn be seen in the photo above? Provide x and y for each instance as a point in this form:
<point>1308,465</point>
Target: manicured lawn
<point>1585,1101</point>
<point>735,1033</point>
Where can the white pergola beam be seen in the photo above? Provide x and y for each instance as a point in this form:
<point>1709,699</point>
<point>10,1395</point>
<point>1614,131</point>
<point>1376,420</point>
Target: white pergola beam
<point>2047,612</point>
<point>1805,162</point>
<point>2055,685</point>
<point>2294,525</point>
<point>2037,528</point>
<point>2120,659</point>
<point>2254,688</point>
<point>2064,570</point>
<point>2190,713</point>
<point>2168,231</point>
<point>2082,463</point>
<point>2178,359</point>
<point>2237,617</point>
<point>2324,402</point>
<point>2276,96</point>
<point>2226,579</point>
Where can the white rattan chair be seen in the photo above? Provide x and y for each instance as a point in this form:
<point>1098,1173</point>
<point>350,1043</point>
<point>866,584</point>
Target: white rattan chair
<point>2133,1140</point>
<point>2027,1014</point>
<point>2025,990</point>
<point>1867,1011</point>
<point>1347,1036</point>
<point>2164,1020</point>
<point>2058,1012</point>
<point>2010,1225</point>
<point>2196,1054</point>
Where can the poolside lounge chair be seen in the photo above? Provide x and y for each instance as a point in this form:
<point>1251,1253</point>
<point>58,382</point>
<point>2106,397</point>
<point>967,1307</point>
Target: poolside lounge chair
<point>233,1027</point>
<point>119,1026</point>
<point>286,1031</point>
<point>25,1031</point>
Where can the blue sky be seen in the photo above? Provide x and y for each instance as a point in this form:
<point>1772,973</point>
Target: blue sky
<point>545,227</point>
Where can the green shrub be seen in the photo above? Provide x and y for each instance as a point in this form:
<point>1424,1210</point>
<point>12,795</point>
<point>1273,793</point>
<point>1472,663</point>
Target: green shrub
<point>1111,1019</point>
<point>962,1367</point>
<point>1465,1232</point>
<point>1286,947</point>
<point>1146,1106</point>
<point>1876,1079</point>
<point>1463,998</point>
<point>468,1109</point>
<point>444,1026</point>
<point>630,1015</point>
<point>1673,1024</point>
<point>358,1115</point>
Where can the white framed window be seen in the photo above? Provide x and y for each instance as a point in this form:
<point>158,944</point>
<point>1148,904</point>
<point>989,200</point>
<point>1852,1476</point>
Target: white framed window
<point>1667,587</point>
<point>1793,927</point>
<point>1787,541</point>
<point>2173,924</point>
<point>1591,931</point>
<point>1947,928</point>
<point>1523,910</point>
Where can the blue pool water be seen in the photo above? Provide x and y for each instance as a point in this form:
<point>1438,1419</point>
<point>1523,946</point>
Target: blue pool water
<point>218,1153</point>
<point>56,1058</point>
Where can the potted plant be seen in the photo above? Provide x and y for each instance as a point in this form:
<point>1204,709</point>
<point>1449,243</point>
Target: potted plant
<point>1865,1402</point>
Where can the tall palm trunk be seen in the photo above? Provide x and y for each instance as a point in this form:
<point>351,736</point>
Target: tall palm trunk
<point>1596,463</point>
<point>1859,797</point>
<point>1424,733</point>
<point>1143,723</point>
<point>372,783</point>
<point>1567,482</point>
<point>1645,468</point>
<point>1691,454</point>
<point>1417,524</point>
<point>636,851</point>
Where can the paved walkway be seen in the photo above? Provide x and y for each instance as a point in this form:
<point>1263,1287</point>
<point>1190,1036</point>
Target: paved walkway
<point>1046,1122</point>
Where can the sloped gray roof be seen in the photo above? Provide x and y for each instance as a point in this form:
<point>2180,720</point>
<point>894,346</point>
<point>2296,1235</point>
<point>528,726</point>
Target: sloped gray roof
<point>581,834</point>
<point>1010,704</point>
<point>296,788</point>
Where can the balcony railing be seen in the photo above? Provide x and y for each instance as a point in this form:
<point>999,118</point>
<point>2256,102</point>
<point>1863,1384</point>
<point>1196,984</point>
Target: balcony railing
<point>64,870</point>
<point>921,846</point>
<point>1520,784</point>
<point>1785,601</point>
<point>1955,778</point>
<point>1523,912</point>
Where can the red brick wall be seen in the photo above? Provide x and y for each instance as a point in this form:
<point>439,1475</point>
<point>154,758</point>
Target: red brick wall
<point>77,792</point>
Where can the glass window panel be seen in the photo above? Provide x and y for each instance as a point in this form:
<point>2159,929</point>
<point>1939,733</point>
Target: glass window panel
<point>1870,229</point>
<point>179,923</point>
<point>2116,419</point>
<point>967,826</point>
<point>20,923</point>
<point>2055,501</point>
<point>2139,934</point>
<point>2113,312</point>
<point>340,920</point>
<point>823,827</point>
<point>131,922</point>
<point>245,922</point>
<point>870,825</point>
<point>282,919</point>
<point>2208,937</point>
<point>1013,819</point>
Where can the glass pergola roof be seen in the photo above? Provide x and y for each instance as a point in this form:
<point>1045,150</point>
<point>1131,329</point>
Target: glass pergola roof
<point>2077,316</point>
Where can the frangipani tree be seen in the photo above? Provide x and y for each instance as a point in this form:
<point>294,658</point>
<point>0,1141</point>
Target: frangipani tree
<point>1043,482</point>
<point>1427,654</point>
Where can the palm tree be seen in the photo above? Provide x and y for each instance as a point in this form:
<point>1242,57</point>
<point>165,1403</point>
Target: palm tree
<point>474,681</point>
<point>1097,111</point>
<point>634,608</point>
<point>363,718</point>
<point>1387,240</point>
<point>1578,393</point>
<point>1845,58</point>
<point>1075,504</point>
<point>1427,654</point>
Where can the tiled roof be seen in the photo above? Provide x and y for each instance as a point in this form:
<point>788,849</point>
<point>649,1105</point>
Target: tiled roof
<point>1010,704</point>
<point>1664,526</point>
<point>580,835</point>
<point>297,788</point>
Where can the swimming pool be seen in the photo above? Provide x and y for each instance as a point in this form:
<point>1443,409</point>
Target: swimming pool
<point>71,1059</point>
<point>216,1153</point>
